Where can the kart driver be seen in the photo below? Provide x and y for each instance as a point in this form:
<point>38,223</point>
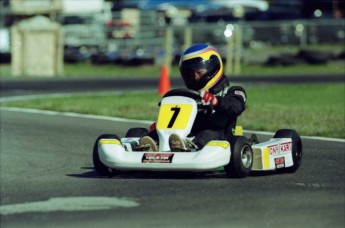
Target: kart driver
<point>202,70</point>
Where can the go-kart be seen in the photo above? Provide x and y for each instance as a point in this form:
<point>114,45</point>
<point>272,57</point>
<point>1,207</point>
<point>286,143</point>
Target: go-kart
<point>178,110</point>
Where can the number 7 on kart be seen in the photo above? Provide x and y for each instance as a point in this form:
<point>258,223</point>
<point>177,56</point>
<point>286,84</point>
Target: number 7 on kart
<point>172,116</point>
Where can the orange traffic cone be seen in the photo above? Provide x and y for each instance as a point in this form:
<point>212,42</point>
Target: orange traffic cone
<point>164,82</point>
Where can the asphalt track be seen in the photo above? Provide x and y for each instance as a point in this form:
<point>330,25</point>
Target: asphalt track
<point>48,180</point>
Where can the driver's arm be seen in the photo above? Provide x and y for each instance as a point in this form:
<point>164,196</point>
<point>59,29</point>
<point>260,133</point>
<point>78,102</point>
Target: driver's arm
<point>233,103</point>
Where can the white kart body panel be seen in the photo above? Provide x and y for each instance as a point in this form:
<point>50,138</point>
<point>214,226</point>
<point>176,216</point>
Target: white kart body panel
<point>273,154</point>
<point>214,155</point>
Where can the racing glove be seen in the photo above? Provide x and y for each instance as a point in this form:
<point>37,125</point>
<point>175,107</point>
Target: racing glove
<point>152,127</point>
<point>208,98</point>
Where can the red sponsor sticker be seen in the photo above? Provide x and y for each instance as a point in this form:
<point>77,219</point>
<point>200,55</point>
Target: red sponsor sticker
<point>157,158</point>
<point>279,162</point>
<point>273,149</point>
<point>285,147</point>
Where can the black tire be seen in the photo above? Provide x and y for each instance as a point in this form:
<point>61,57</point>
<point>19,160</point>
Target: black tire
<point>314,57</point>
<point>297,148</point>
<point>137,132</point>
<point>241,160</point>
<point>282,60</point>
<point>100,168</point>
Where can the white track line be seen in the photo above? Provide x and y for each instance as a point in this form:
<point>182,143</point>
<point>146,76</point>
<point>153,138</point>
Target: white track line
<point>60,95</point>
<point>117,119</point>
<point>72,114</point>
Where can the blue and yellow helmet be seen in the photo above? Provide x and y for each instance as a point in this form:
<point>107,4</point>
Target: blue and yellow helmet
<point>201,56</point>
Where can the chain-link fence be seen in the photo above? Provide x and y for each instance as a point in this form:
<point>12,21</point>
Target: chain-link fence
<point>149,41</point>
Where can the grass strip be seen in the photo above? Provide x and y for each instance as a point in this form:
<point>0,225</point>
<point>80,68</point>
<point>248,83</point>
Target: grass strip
<point>314,110</point>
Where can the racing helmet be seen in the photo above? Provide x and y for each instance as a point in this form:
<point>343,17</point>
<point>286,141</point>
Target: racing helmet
<point>204,60</point>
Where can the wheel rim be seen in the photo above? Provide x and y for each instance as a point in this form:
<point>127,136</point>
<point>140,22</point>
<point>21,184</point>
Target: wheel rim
<point>246,156</point>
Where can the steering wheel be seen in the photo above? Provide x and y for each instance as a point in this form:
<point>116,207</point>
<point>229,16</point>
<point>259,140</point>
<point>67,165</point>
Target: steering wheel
<point>184,93</point>
<point>208,109</point>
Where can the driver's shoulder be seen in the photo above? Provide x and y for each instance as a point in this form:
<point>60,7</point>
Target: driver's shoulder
<point>234,88</point>
<point>237,91</point>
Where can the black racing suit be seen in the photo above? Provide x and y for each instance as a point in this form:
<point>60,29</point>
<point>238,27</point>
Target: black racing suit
<point>220,124</point>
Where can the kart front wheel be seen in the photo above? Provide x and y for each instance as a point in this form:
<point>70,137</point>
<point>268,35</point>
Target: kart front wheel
<point>241,160</point>
<point>100,168</point>
<point>296,147</point>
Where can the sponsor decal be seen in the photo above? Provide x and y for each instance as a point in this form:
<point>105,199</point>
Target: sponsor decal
<point>279,162</point>
<point>239,92</point>
<point>157,158</point>
<point>285,147</point>
<point>273,149</point>
<point>280,148</point>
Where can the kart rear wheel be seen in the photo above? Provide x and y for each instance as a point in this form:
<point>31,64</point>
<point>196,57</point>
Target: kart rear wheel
<point>241,160</point>
<point>137,132</point>
<point>100,168</point>
<point>297,147</point>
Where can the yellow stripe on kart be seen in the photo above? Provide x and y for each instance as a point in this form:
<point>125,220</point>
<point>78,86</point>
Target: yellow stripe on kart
<point>266,158</point>
<point>109,141</point>
<point>218,143</point>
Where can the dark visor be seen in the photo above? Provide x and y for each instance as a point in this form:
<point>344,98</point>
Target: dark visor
<point>189,67</point>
